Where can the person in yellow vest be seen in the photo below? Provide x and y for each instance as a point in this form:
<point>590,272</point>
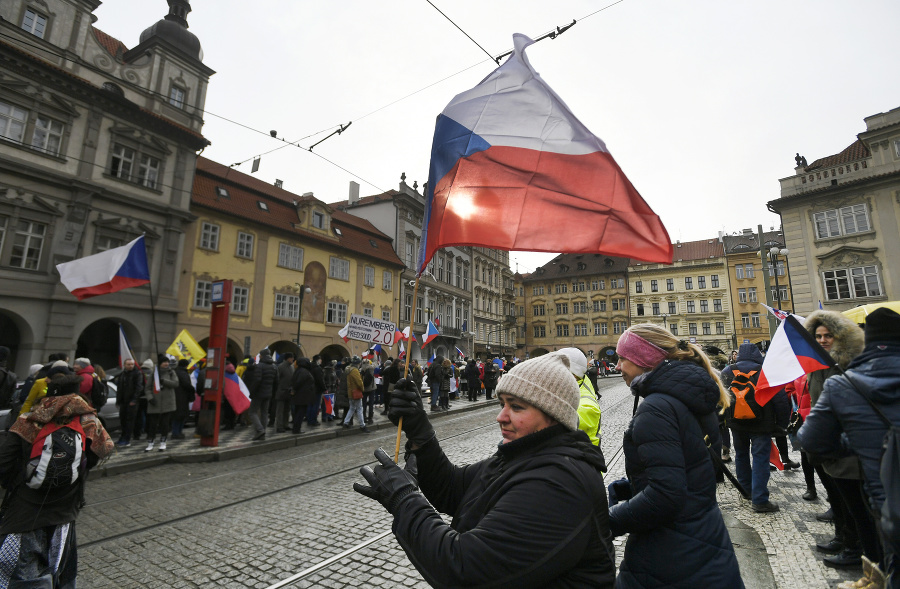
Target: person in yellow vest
<point>39,389</point>
<point>589,414</point>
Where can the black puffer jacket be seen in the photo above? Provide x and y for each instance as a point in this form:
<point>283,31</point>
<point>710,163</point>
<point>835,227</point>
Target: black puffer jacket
<point>533,515</point>
<point>303,385</point>
<point>129,386</point>
<point>677,537</point>
<point>264,379</point>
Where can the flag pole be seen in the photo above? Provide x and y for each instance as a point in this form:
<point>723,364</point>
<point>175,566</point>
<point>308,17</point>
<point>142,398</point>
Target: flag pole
<point>153,319</point>
<point>412,316</point>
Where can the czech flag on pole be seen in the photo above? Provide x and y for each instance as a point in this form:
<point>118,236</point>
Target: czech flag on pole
<point>512,168</point>
<point>431,332</point>
<point>408,334</point>
<point>106,272</point>
<point>792,354</point>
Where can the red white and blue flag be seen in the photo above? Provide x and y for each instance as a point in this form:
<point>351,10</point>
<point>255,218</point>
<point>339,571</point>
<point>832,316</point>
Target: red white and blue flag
<point>511,164</point>
<point>398,335</point>
<point>125,351</point>
<point>408,335</point>
<point>236,392</point>
<point>328,400</point>
<point>344,332</point>
<point>779,314</point>
<point>431,332</point>
<point>458,351</point>
<point>106,272</point>
<point>792,354</point>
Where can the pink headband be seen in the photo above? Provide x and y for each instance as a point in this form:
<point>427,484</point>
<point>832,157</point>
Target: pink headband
<point>639,351</point>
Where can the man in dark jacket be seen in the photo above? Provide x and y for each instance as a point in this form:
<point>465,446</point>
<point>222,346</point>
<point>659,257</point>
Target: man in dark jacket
<point>263,381</point>
<point>491,377</point>
<point>283,392</point>
<point>129,390</point>
<point>473,380</point>
<point>312,413</point>
<point>753,436</point>
<point>303,392</point>
<point>842,409</point>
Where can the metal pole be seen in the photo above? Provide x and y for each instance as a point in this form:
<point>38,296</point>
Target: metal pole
<point>303,288</point>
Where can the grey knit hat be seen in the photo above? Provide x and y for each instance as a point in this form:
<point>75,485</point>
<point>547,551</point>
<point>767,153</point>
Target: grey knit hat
<point>545,382</point>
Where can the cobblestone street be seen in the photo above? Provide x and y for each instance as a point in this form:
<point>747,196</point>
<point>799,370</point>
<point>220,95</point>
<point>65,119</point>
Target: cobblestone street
<point>257,520</point>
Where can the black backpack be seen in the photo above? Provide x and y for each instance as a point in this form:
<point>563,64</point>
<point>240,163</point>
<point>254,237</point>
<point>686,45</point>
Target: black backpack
<point>57,456</point>
<point>99,393</point>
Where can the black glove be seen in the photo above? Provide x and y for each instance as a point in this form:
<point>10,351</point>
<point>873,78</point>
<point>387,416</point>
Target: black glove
<point>406,402</point>
<point>389,483</point>
<point>619,490</point>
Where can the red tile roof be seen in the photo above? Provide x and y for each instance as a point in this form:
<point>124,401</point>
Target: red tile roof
<point>367,200</point>
<point>246,192</point>
<point>578,265</point>
<point>115,47</point>
<point>702,249</point>
<point>857,151</point>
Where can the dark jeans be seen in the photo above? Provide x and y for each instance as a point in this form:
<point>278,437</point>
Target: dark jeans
<point>158,424</point>
<point>312,412</point>
<point>808,472</point>
<point>435,393</point>
<point>127,413</point>
<point>726,436</point>
<point>844,530</point>
<point>140,419</point>
<point>368,404</point>
<point>298,413</point>
<point>852,494</point>
<point>259,414</point>
<point>755,478</point>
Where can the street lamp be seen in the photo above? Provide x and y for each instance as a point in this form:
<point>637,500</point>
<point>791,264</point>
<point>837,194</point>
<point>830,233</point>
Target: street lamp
<point>303,290</point>
<point>771,264</point>
<point>665,321</point>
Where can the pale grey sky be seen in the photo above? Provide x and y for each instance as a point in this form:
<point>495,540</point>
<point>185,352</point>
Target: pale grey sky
<point>703,103</point>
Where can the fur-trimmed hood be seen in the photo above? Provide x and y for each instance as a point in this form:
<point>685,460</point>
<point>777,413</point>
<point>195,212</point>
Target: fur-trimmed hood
<point>849,339</point>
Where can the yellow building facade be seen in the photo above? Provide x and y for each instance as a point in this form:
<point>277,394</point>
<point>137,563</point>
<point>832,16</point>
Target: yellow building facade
<point>283,252</point>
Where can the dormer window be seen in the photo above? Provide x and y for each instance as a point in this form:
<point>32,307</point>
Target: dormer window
<point>222,192</point>
<point>263,206</point>
<point>372,243</point>
<point>337,231</point>
<point>35,23</point>
<point>318,220</point>
<point>176,97</point>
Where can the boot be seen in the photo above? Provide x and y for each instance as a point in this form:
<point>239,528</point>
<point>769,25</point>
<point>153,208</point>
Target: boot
<point>150,445</point>
<point>162,444</point>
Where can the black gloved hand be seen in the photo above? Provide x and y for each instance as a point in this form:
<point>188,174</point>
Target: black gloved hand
<point>619,490</point>
<point>406,402</point>
<point>389,483</point>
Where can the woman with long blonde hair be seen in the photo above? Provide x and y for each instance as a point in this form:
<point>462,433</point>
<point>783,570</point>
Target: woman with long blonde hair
<point>667,505</point>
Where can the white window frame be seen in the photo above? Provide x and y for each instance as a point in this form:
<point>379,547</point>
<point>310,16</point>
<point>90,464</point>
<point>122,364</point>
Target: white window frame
<point>209,236</point>
<point>714,280</point>
<point>369,276</point>
<point>739,271</point>
<point>29,243</point>
<point>240,299</point>
<point>387,280</point>
<point>751,294</point>
<point>12,122</point>
<point>287,306</point>
<point>47,135</point>
<point>742,295</point>
<point>843,221</point>
<point>244,245</point>
<point>290,256</point>
<point>177,96</point>
<point>336,313</point>
<point>385,315</point>
<point>338,268</point>
<point>860,282</point>
<point>368,312</point>
<point>37,25</point>
<point>318,220</point>
<point>203,294</point>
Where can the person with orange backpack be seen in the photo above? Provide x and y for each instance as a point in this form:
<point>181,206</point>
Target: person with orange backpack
<point>752,425</point>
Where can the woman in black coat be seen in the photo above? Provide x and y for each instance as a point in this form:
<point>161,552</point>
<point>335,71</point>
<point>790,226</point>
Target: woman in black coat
<point>303,392</point>
<point>677,536</point>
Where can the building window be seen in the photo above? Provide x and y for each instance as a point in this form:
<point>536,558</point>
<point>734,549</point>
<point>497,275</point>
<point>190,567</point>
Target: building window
<point>578,287</point>
<point>240,298</point>
<point>203,295</point>
<point>670,284</point>
<point>419,304</point>
<point>720,327</point>
<point>209,236</point>
<point>672,309</point>
<point>537,290</point>
<point>603,328</point>
<point>440,265</point>
<point>673,328</point>
<point>602,284</point>
<point>540,331</point>
<point>458,274</point>
<point>287,306</point>
<point>738,271</point>
<point>562,330</point>
<point>619,326</point>
<point>562,288</point>
<point>367,312</point>
<point>596,329</point>
<point>690,307</point>
<point>245,245</point>
<point>338,268</point>
<point>387,280</point>
<point>843,221</point>
<point>706,328</point>
<point>748,270</point>
<point>754,319</point>
<point>407,307</point>
<point>369,279</point>
<point>336,313</point>
<point>688,283</point>
<point>318,220</point>
<point>12,122</point>
<point>410,256</point>
<point>751,294</point>
<point>290,256</point>
<point>701,282</point>
<point>780,293</point>
<point>640,309</point>
<point>27,245</point>
<point>581,329</point>
<point>654,286</point>
<point>704,306</point>
<point>639,286</point>
<point>615,304</point>
<point>692,329</point>
<point>35,23</point>
<point>717,305</point>
<point>595,285</point>
<point>123,166</point>
<point>579,307</point>
<point>862,281</point>
<point>538,310</point>
<point>745,320</point>
<point>714,281</point>
<point>465,278</point>
<point>562,308</point>
<point>742,295</point>
<point>176,97</point>
<point>656,308</point>
<point>47,136</point>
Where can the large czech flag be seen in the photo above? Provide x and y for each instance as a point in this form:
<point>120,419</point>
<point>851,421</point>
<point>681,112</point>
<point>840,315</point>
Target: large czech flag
<point>793,353</point>
<point>431,332</point>
<point>513,169</point>
<point>236,392</point>
<point>106,272</point>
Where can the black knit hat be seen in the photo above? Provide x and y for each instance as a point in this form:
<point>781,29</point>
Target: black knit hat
<point>882,325</point>
<point>161,358</point>
<point>184,363</point>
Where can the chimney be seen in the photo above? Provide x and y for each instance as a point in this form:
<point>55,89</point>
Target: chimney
<point>721,234</point>
<point>278,183</point>
<point>748,232</point>
<point>354,192</point>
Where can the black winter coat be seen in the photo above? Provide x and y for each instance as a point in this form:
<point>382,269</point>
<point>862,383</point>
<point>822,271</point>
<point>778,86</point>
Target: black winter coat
<point>533,515</point>
<point>842,409</point>
<point>263,381</point>
<point>776,413</point>
<point>184,394</point>
<point>129,386</point>
<point>303,385</point>
<point>677,537</point>
<point>319,378</point>
<point>472,375</point>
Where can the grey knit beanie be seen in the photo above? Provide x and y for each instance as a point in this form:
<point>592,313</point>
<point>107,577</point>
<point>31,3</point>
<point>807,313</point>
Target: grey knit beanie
<point>545,382</point>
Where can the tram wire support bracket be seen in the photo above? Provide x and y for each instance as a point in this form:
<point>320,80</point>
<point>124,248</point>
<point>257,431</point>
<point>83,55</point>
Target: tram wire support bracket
<point>552,35</point>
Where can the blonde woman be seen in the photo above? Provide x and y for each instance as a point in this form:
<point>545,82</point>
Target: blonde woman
<point>677,537</point>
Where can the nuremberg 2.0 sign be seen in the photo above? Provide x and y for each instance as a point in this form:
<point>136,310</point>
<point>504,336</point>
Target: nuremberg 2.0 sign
<point>372,330</point>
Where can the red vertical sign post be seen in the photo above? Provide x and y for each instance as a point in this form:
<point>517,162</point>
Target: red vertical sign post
<point>211,407</point>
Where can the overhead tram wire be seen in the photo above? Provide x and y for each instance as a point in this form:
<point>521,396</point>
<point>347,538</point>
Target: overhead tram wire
<point>496,59</point>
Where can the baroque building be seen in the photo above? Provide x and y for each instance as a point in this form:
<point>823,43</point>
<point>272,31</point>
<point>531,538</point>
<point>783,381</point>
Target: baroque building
<point>494,305</point>
<point>841,221</point>
<point>575,300</point>
<point>299,267</point>
<point>98,144</point>
<point>445,290</point>
<point>690,296</point>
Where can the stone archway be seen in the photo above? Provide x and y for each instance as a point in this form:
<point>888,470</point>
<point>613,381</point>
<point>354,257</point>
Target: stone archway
<point>334,352</point>
<point>99,342</point>
<point>538,352</point>
<point>11,336</point>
